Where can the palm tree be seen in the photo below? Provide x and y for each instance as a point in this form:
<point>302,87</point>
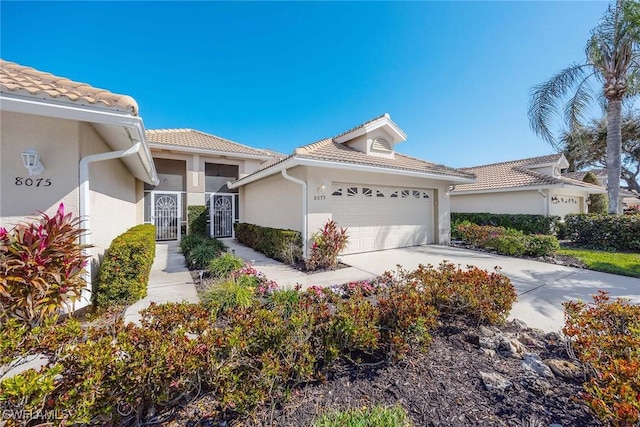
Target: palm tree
<point>613,59</point>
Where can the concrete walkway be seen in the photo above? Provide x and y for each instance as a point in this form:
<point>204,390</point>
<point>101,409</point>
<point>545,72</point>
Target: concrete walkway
<point>287,276</point>
<point>169,281</point>
<point>541,287</point>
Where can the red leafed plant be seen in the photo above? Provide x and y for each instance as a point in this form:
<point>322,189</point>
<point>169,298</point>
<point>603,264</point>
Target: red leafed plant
<point>41,267</point>
<point>606,337</point>
<point>327,245</point>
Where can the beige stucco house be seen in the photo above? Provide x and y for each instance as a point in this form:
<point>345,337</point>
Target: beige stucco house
<point>527,186</point>
<point>360,180</point>
<point>629,200</point>
<point>193,169</point>
<point>91,150</point>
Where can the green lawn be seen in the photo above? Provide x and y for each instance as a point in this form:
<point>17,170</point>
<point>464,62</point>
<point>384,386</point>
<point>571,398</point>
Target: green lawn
<point>373,417</point>
<point>622,263</point>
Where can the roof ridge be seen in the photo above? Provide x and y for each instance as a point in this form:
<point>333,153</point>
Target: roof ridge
<point>510,161</point>
<point>206,134</point>
<point>537,174</point>
<point>363,124</point>
<point>305,149</point>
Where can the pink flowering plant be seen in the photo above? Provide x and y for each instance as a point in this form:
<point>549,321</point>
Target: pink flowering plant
<point>263,286</point>
<point>41,267</point>
<point>327,245</point>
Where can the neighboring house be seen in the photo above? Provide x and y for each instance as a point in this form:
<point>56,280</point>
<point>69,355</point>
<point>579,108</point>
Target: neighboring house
<point>628,199</point>
<point>193,169</point>
<point>85,147</point>
<point>527,186</point>
<point>386,199</point>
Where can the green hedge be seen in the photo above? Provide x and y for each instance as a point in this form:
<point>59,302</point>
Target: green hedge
<point>508,241</point>
<point>283,245</point>
<point>618,232</point>
<point>126,265</point>
<point>197,220</point>
<point>528,224</point>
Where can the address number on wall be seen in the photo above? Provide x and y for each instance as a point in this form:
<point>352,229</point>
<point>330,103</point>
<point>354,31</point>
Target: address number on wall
<point>33,182</point>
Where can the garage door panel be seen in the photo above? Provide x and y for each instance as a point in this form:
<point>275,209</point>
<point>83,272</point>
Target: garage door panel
<point>378,222</point>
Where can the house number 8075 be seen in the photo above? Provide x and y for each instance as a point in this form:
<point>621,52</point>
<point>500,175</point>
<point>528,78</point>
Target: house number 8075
<point>33,182</point>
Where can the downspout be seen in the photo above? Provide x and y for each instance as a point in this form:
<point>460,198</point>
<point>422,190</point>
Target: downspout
<point>85,212</point>
<point>304,208</point>
<point>546,202</point>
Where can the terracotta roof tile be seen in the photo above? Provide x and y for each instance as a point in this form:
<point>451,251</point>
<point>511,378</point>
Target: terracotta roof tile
<point>196,139</point>
<point>24,81</point>
<point>516,174</point>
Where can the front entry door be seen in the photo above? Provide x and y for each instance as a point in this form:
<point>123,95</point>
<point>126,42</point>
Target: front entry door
<point>222,213</point>
<point>166,215</point>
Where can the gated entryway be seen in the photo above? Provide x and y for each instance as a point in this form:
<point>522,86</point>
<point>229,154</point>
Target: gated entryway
<point>166,214</point>
<point>222,208</point>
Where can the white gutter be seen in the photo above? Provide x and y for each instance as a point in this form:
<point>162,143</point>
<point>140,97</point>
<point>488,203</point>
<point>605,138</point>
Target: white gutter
<point>546,202</point>
<point>293,161</point>
<point>84,194</point>
<point>304,209</point>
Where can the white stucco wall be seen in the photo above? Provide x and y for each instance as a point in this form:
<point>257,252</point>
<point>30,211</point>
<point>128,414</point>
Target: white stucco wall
<point>273,202</point>
<point>507,202</point>
<point>276,202</point>
<point>56,141</point>
<point>563,202</point>
<point>113,196</point>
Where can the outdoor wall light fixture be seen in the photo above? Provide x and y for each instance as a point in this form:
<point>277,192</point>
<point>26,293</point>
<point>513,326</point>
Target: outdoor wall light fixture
<point>31,161</point>
<point>322,188</point>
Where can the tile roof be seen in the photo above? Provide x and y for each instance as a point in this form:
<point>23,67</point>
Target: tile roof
<point>195,139</point>
<point>581,174</point>
<point>360,126</point>
<point>517,174</point>
<point>329,150</point>
<point>28,82</point>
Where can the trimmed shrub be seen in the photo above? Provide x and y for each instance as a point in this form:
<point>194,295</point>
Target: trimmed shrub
<point>126,265</point>
<point>224,265</point>
<point>197,220</point>
<point>190,241</point>
<point>606,337</point>
<point>528,224</point>
<point>598,203</point>
<point>472,293</point>
<point>41,267</point>
<point>508,241</point>
<point>283,245</point>
<point>607,232</point>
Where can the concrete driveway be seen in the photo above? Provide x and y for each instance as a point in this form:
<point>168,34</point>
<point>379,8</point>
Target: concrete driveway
<point>541,287</point>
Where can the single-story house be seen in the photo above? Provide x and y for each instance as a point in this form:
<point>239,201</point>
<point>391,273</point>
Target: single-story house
<point>99,160</point>
<point>357,178</point>
<point>629,200</point>
<point>67,142</point>
<point>193,169</point>
<point>527,186</point>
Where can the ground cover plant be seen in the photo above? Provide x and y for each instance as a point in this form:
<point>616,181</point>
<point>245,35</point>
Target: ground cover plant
<point>366,417</point>
<point>244,356</point>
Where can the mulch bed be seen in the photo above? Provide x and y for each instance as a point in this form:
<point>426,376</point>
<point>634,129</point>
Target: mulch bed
<point>439,388</point>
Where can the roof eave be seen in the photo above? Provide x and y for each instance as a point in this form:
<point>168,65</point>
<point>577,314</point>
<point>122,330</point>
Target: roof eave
<point>109,117</point>
<point>528,188</point>
<point>301,161</point>
<point>194,150</point>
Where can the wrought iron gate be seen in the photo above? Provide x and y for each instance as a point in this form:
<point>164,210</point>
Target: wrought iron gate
<point>166,215</point>
<point>222,208</point>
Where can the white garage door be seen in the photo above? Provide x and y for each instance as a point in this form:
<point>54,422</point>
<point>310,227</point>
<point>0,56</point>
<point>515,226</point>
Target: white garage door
<point>383,217</point>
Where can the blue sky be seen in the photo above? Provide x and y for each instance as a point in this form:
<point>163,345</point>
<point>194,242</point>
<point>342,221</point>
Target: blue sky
<point>455,76</point>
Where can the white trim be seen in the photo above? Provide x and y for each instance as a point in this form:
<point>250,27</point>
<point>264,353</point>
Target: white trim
<point>206,151</point>
<point>305,195</point>
<point>532,188</point>
<point>382,121</point>
<point>293,161</point>
<point>86,114</point>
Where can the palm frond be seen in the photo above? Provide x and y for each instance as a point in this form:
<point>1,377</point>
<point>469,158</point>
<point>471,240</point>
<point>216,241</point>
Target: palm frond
<point>545,96</point>
<point>578,103</point>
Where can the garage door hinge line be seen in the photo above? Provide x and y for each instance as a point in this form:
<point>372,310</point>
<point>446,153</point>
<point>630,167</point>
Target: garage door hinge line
<point>304,208</point>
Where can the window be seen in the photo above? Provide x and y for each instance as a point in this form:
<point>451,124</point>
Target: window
<point>394,194</point>
<point>352,191</point>
<point>367,192</point>
<point>405,194</point>
<point>379,193</point>
<point>425,195</point>
<point>337,192</point>
<point>416,194</point>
